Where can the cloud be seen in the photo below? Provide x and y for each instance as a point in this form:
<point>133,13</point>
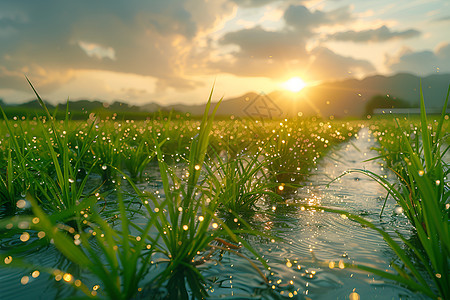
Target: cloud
<point>442,19</point>
<point>301,19</point>
<point>98,51</point>
<point>282,53</point>
<point>422,62</point>
<point>380,34</point>
<point>259,43</point>
<point>327,64</point>
<point>278,54</point>
<point>149,38</point>
<point>253,3</point>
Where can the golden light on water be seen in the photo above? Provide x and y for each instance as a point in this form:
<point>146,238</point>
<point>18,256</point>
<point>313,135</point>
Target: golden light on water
<point>354,296</point>
<point>295,84</point>
<point>68,277</point>
<point>24,280</point>
<point>25,237</point>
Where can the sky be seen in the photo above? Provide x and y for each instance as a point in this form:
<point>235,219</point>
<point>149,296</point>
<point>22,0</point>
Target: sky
<point>175,51</point>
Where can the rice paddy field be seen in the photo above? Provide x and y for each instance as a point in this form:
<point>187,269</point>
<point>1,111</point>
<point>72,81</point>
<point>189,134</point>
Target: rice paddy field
<point>181,208</point>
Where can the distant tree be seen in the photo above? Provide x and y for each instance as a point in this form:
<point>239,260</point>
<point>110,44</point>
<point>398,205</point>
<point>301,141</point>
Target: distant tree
<point>382,101</point>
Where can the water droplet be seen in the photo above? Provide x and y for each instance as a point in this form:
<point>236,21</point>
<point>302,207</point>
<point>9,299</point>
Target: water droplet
<point>354,296</point>
<point>104,167</point>
<point>25,237</point>
<point>24,280</point>
<point>21,203</point>
<point>68,277</point>
<point>398,210</point>
<point>71,180</point>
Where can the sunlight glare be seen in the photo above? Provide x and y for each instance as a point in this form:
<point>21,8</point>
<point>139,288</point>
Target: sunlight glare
<point>295,84</point>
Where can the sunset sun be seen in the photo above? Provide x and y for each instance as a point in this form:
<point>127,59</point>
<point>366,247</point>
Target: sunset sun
<point>295,84</point>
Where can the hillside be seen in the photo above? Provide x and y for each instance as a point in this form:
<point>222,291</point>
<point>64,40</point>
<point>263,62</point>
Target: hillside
<point>345,98</point>
<point>339,98</point>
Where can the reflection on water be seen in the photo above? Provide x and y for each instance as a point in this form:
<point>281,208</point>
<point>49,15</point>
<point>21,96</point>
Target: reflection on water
<point>308,264</point>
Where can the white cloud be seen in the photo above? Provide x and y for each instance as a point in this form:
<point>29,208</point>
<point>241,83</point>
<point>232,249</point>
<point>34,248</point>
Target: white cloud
<point>420,62</point>
<point>98,51</point>
<point>380,34</point>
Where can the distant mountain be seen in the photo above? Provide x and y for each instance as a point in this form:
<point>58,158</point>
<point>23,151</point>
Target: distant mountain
<point>33,104</point>
<point>81,105</point>
<point>344,98</point>
<point>338,98</point>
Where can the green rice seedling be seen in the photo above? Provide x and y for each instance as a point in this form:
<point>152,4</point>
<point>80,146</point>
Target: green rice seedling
<point>118,261</point>
<point>184,234</point>
<point>240,181</point>
<point>22,165</point>
<point>186,221</point>
<point>294,147</point>
<point>8,190</point>
<point>422,191</point>
<point>422,147</point>
<point>106,151</point>
<point>137,158</point>
<point>62,191</point>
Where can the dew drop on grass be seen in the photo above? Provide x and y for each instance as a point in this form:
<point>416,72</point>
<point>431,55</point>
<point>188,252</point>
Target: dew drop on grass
<point>21,203</point>
<point>398,210</point>
<point>8,260</point>
<point>104,167</point>
<point>71,180</point>
<point>24,280</point>
<point>35,274</point>
<point>68,277</point>
<point>23,225</point>
<point>25,237</point>
<point>354,296</point>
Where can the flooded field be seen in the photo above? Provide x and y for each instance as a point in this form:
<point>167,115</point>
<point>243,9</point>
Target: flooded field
<point>306,263</point>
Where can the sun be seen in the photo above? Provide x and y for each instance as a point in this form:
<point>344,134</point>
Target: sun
<point>295,84</point>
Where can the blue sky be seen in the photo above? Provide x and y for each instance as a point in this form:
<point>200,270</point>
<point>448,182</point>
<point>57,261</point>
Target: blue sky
<point>172,51</point>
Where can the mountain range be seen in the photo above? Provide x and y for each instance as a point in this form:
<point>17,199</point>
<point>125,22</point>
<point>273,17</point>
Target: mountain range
<point>344,98</point>
<point>338,98</point>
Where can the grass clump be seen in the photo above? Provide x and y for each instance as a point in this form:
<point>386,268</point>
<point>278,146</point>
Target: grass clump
<point>422,190</point>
